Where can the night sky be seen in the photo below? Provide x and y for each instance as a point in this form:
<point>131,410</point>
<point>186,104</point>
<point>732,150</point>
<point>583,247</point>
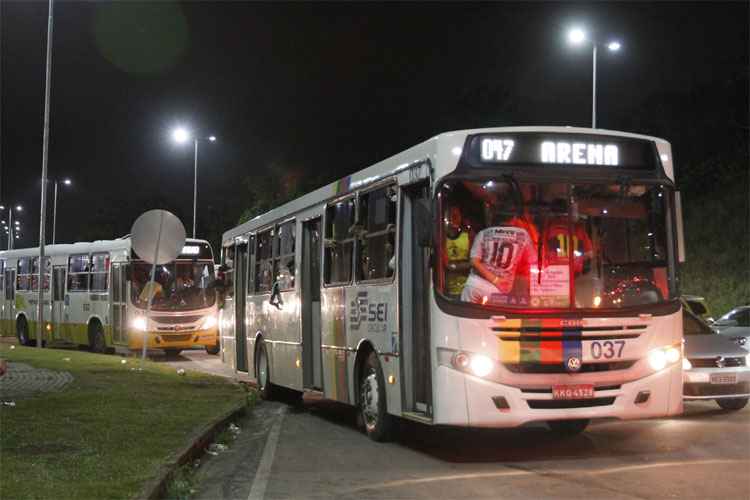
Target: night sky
<point>322,89</point>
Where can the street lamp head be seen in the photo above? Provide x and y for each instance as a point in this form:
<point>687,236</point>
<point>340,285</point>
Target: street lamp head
<point>614,46</point>
<point>67,182</point>
<point>180,135</point>
<point>19,208</point>
<point>212,138</point>
<point>576,36</point>
<point>2,207</point>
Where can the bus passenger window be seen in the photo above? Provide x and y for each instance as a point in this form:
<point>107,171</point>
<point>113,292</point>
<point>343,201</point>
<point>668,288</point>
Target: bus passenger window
<point>264,263</point>
<point>228,270</point>
<point>78,273</point>
<point>284,256</point>
<point>23,275</point>
<point>377,239</point>
<point>99,270</point>
<point>339,243</point>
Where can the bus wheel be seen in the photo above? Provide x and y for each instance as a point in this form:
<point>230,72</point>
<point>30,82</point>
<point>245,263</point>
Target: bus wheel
<point>22,332</point>
<point>372,403</point>
<point>96,338</point>
<point>568,427</point>
<point>172,353</point>
<point>732,404</point>
<point>212,349</point>
<point>262,374</point>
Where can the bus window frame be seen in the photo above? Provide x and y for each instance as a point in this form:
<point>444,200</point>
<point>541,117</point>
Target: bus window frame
<point>276,252</point>
<point>358,238</point>
<point>70,274</point>
<point>354,197</point>
<point>258,261</point>
<point>107,265</point>
<point>26,275</point>
<point>476,311</point>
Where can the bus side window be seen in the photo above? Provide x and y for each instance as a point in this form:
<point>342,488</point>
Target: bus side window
<point>99,270</point>
<point>228,266</point>
<point>23,278</point>
<point>339,243</point>
<point>78,273</point>
<point>284,256</point>
<point>264,262</point>
<point>377,239</point>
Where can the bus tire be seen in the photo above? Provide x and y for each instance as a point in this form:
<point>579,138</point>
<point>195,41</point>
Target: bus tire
<point>22,332</point>
<point>263,373</point>
<point>96,338</point>
<point>732,404</point>
<point>372,402</point>
<point>212,349</point>
<point>172,353</point>
<point>568,427</point>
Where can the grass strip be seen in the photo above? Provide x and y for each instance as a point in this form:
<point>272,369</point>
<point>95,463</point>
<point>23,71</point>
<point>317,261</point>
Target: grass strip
<point>109,431</point>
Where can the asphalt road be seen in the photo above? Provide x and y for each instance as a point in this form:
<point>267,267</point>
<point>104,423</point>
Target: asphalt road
<point>315,451</point>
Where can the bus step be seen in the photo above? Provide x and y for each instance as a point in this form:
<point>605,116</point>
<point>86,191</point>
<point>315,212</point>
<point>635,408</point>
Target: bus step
<point>417,417</point>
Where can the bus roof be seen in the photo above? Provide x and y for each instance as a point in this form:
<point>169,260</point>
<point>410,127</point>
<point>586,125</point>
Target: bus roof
<point>440,150</point>
<point>123,243</point>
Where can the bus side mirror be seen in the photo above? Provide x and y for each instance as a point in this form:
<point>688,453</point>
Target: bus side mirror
<point>680,231</point>
<point>423,220</point>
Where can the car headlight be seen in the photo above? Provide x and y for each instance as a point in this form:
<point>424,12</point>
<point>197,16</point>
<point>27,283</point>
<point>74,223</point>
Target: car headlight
<point>686,365</point>
<point>139,323</point>
<point>660,357</point>
<point>208,322</point>
<point>747,360</point>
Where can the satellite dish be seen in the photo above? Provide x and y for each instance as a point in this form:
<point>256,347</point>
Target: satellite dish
<point>158,236</point>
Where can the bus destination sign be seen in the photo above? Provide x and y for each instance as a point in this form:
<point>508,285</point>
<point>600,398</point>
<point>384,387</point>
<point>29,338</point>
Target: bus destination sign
<point>562,149</point>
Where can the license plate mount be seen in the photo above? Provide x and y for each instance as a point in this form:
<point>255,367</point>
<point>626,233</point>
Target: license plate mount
<point>575,391</point>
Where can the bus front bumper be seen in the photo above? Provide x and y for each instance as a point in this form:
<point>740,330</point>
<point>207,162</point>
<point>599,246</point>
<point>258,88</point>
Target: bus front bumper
<point>181,340</point>
<point>491,404</point>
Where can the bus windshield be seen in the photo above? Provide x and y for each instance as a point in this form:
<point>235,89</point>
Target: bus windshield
<point>179,286</point>
<point>554,245</point>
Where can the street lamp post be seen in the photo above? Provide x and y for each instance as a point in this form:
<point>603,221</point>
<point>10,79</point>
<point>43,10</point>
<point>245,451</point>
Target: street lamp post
<point>67,182</point>
<point>181,136</point>
<point>577,36</point>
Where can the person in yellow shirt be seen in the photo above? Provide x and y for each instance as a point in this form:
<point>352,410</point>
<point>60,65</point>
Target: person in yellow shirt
<point>457,247</point>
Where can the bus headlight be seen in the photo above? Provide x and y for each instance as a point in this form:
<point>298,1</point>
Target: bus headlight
<point>659,358</point>
<point>208,322</point>
<point>476,364</point>
<point>480,365</point>
<point>686,365</point>
<point>139,323</point>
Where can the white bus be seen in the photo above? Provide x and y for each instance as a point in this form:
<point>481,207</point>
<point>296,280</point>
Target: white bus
<point>486,278</point>
<point>95,296</point>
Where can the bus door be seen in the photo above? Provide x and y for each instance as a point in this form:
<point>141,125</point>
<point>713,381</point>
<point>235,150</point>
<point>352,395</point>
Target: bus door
<point>311,354</point>
<point>240,302</point>
<point>414,288</point>
<point>118,303</point>
<point>58,303</point>
<point>9,302</point>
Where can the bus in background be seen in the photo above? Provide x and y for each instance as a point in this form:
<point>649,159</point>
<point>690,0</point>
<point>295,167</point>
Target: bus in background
<point>95,295</point>
<point>485,278</point>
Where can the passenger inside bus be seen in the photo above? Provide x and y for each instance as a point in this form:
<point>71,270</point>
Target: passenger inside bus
<point>459,235</point>
<point>503,252</point>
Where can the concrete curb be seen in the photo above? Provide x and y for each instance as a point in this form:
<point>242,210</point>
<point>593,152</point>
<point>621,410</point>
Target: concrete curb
<point>156,488</point>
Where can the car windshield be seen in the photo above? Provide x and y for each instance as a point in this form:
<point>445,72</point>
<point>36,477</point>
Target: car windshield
<point>179,286</point>
<point>554,245</point>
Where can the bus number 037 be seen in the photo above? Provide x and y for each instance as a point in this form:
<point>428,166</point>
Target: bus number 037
<point>607,349</point>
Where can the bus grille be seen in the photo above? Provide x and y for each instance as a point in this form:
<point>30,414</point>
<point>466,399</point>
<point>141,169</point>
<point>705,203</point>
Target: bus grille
<point>172,320</point>
<point>715,363</point>
<point>559,404</point>
<point>560,368</point>
<point>716,389</point>
<point>176,338</point>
